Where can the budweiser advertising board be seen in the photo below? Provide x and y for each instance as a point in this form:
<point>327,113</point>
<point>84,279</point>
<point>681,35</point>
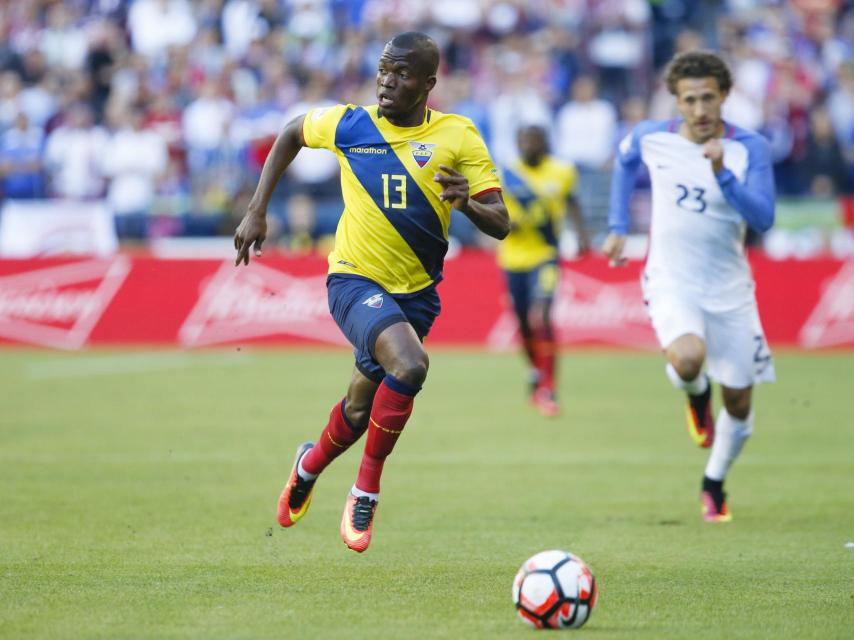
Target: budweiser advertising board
<point>135,300</point>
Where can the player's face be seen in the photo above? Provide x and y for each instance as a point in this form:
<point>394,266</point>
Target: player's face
<point>402,85</point>
<point>532,144</point>
<point>699,101</point>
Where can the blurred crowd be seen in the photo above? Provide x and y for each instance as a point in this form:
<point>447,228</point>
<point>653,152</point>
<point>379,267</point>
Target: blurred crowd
<point>167,108</point>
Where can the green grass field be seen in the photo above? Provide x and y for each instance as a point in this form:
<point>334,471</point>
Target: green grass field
<point>138,491</point>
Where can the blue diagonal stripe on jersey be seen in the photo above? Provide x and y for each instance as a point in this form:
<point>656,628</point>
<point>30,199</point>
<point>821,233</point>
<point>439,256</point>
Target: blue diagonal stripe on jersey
<point>419,223</point>
<point>525,196</point>
<point>518,188</point>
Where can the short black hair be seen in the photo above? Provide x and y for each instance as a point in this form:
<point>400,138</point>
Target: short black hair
<point>423,45</point>
<point>697,64</point>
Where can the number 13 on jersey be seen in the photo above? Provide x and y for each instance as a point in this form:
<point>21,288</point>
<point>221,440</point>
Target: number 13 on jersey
<point>397,182</point>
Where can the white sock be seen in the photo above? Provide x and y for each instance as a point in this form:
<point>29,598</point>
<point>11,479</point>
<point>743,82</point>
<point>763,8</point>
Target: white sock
<point>356,491</point>
<point>305,475</point>
<point>730,436</point>
<point>695,387</point>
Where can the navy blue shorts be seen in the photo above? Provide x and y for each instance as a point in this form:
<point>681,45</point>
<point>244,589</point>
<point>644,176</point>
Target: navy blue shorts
<point>535,285</point>
<point>362,309</point>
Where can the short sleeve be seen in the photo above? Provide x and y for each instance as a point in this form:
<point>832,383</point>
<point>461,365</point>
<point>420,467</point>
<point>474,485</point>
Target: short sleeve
<point>320,124</point>
<point>474,163</point>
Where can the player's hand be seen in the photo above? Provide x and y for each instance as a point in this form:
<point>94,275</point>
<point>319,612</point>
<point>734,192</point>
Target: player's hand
<point>714,151</point>
<point>613,248</point>
<point>252,230</point>
<point>455,187</point>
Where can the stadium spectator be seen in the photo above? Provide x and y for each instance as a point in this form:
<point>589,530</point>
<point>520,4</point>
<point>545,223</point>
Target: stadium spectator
<point>62,42</point>
<point>586,126</point>
<point>840,107</point>
<point>514,105</point>
<point>20,160</point>
<point>133,160</point>
<point>164,118</point>
<point>73,156</point>
<point>823,165</point>
<point>205,123</point>
<point>156,25</point>
<point>617,46</point>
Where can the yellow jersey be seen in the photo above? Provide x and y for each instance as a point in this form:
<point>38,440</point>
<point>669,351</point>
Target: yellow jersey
<point>394,229</point>
<point>536,201</point>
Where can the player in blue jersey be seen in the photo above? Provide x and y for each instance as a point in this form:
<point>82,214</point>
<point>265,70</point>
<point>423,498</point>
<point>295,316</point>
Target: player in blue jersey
<point>403,167</point>
<point>710,180</point>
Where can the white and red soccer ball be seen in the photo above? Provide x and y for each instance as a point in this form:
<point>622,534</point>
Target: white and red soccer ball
<point>554,590</point>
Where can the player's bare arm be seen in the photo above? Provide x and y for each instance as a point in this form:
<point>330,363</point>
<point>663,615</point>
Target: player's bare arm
<point>252,230</point>
<point>613,249</point>
<point>487,211</point>
<point>573,212</point>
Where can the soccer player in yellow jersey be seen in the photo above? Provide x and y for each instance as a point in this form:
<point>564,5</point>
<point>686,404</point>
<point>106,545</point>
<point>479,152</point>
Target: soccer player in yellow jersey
<point>539,191</point>
<point>403,167</point>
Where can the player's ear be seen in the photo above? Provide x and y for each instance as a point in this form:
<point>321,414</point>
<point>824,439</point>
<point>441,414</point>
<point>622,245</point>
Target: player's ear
<point>430,83</point>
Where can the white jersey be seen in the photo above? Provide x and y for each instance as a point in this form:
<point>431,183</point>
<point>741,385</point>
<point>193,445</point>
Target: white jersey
<point>698,218</point>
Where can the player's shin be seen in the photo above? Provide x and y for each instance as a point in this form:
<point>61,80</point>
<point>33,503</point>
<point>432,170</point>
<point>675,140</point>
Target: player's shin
<point>335,439</point>
<point>731,434</point>
<point>528,348</point>
<point>545,350</point>
<point>389,413</point>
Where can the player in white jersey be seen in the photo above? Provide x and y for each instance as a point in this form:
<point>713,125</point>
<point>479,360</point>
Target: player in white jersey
<point>710,181</point>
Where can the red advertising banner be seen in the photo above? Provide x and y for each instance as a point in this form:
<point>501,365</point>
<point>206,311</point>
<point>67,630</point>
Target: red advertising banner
<point>129,300</point>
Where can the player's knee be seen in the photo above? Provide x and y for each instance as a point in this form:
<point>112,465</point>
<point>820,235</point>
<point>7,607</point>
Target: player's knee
<point>737,404</point>
<point>357,413</point>
<point>411,368</point>
<point>538,319</point>
<point>688,365</point>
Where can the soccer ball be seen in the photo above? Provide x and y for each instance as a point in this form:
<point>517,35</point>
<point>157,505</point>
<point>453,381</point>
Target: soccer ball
<point>554,590</point>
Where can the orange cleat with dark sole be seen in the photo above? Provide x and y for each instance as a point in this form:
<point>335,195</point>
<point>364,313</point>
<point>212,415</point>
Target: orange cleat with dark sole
<point>296,496</point>
<point>698,414</point>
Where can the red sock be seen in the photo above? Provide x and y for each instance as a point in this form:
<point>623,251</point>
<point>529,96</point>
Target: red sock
<point>545,351</point>
<point>335,439</point>
<point>389,413</point>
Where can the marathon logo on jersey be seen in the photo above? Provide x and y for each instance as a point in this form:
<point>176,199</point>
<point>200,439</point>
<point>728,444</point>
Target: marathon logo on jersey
<point>258,302</point>
<point>421,152</point>
<point>59,306</point>
<point>370,151</point>
<point>375,301</point>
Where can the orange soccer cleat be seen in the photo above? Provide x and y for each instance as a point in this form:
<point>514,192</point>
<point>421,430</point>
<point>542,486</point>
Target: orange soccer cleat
<point>714,507</point>
<point>296,496</point>
<point>698,414</point>
<point>357,522</point>
<point>543,400</point>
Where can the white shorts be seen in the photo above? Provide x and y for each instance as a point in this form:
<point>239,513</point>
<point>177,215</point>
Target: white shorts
<point>737,354</point>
